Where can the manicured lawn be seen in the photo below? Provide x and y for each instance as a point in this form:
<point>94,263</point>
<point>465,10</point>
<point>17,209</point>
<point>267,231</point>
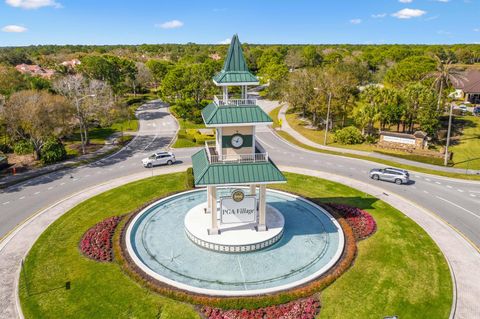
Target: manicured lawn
<point>317,136</point>
<point>466,154</point>
<point>399,270</point>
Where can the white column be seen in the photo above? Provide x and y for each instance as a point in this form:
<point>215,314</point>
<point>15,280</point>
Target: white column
<point>253,189</point>
<point>209,199</point>
<point>214,229</point>
<point>262,210</point>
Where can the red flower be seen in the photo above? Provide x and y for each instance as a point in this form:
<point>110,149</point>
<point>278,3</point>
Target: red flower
<point>96,243</point>
<point>362,223</point>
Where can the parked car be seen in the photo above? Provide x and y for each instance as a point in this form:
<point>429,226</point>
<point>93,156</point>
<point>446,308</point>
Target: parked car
<point>463,108</point>
<point>476,111</point>
<point>159,158</point>
<point>398,176</point>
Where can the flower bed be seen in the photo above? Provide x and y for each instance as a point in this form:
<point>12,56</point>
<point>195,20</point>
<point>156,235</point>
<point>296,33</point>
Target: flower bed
<point>362,223</point>
<point>301,309</point>
<point>96,243</point>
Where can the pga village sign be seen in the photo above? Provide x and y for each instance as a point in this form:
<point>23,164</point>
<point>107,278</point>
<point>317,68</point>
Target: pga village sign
<point>238,208</point>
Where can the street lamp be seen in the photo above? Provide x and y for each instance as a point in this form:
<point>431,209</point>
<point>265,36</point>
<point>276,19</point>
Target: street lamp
<point>77,105</point>
<point>445,160</point>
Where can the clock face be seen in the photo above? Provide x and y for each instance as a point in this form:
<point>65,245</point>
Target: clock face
<point>237,141</point>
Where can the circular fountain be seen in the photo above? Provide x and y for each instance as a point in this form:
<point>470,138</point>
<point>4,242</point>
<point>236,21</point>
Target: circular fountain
<point>169,242</point>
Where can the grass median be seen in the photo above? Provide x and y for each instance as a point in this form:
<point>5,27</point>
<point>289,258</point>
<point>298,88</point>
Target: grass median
<point>399,270</point>
<point>294,141</point>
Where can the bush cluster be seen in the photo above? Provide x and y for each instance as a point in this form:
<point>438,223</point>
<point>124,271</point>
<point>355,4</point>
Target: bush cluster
<point>96,243</point>
<point>189,178</point>
<point>53,151</point>
<point>23,147</point>
<point>301,309</point>
<point>348,135</point>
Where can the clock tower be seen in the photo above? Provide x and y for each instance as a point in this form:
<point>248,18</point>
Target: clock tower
<point>235,159</point>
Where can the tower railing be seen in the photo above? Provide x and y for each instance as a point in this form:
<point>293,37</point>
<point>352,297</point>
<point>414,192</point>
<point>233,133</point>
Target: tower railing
<point>233,102</point>
<point>215,158</point>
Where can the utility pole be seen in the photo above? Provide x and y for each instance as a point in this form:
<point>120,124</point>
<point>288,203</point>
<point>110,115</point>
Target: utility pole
<point>328,117</point>
<point>445,161</point>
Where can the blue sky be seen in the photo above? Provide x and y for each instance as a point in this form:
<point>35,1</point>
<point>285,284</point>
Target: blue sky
<point>26,22</point>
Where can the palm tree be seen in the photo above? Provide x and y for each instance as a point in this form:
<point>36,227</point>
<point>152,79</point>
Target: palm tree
<point>444,76</point>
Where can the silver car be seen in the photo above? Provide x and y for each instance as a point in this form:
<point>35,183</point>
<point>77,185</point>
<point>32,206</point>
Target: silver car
<point>159,158</point>
<point>398,176</point>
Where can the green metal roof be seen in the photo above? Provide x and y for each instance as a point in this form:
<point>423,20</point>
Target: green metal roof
<point>235,69</point>
<point>233,173</point>
<point>232,114</point>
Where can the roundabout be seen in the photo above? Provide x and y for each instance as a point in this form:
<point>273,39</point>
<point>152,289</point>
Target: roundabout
<point>307,246</point>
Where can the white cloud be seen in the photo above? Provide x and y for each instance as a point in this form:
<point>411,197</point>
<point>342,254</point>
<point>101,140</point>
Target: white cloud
<point>379,15</point>
<point>174,24</point>
<point>356,21</point>
<point>444,1</point>
<point>226,41</point>
<point>405,1</point>
<point>33,4</point>
<point>408,13</point>
<point>476,29</point>
<point>14,28</point>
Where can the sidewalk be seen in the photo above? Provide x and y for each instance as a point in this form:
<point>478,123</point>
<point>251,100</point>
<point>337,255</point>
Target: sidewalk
<point>109,147</point>
<point>299,137</point>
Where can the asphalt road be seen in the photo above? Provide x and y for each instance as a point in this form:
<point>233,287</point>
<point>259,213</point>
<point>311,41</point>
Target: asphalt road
<point>456,201</point>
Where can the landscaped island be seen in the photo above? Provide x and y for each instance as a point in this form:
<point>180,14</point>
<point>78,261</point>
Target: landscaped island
<point>398,270</point>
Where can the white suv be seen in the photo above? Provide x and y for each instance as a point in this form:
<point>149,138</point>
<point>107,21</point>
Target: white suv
<point>159,158</point>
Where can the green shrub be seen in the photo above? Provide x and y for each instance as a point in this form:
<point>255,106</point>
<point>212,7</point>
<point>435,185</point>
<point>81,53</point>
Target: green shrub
<point>349,135</point>
<point>23,147</point>
<point>189,180</point>
<point>53,151</point>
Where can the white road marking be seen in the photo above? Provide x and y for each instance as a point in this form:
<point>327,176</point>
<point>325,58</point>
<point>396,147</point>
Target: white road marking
<point>51,187</point>
<point>36,193</point>
<point>458,206</point>
<point>458,189</point>
<point>426,192</point>
<point>448,186</point>
<point>438,183</point>
<point>473,195</point>
<point>418,176</point>
<point>476,192</point>
<point>22,197</point>
<point>61,184</point>
<point>6,203</point>
<point>428,179</point>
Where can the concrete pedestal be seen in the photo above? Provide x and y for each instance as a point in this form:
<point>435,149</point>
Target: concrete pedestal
<point>233,238</point>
